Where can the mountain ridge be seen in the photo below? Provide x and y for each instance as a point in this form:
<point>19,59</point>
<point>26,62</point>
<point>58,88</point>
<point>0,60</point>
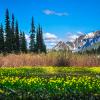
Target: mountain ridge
<point>82,43</point>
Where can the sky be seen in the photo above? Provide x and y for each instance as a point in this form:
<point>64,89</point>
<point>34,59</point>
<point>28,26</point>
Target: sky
<point>60,19</point>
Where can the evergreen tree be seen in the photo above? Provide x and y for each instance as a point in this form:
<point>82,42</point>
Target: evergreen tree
<point>32,26</point>
<point>1,39</point>
<point>38,40</point>
<point>32,37</point>
<point>13,34</point>
<point>8,33</point>
<point>32,43</point>
<point>43,46</point>
<point>17,45</point>
<point>20,41</point>
<point>23,43</point>
<point>15,42</point>
<point>98,50</point>
<point>40,45</point>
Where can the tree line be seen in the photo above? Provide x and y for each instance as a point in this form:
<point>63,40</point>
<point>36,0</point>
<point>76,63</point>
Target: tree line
<point>14,41</point>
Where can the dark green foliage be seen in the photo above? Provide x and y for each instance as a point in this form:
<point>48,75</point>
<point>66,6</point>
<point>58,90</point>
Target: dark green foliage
<point>32,43</point>
<point>98,50</point>
<point>32,26</point>
<point>40,46</point>
<point>23,43</point>
<point>20,41</point>
<point>13,42</point>
<point>32,37</point>
<point>1,39</point>
<point>17,45</point>
<point>92,51</point>
<point>44,48</point>
<point>7,31</point>
<point>38,40</point>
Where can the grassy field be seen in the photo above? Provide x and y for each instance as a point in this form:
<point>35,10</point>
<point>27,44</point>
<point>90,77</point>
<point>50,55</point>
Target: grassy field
<point>50,83</point>
<point>50,59</point>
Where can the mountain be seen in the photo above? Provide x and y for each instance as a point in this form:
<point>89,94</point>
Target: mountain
<point>60,46</point>
<point>82,43</point>
<point>78,42</point>
<point>88,42</point>
<point>70,45</point>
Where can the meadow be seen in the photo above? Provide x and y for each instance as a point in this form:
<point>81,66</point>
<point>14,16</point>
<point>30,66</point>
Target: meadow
<point>69,70</point>
<point>50,83</point>
<point>51,76</point>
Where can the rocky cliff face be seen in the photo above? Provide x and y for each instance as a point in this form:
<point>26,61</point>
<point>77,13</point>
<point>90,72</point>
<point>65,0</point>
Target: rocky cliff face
<point>60,46</point>
<point>82,43</point>
<point>88,41</point>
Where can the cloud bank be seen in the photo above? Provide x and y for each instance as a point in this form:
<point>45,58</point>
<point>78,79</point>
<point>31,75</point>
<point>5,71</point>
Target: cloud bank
<point>50,36</point>
<point>72,36</point>
<point>52,12</point>
<point>50,39</point>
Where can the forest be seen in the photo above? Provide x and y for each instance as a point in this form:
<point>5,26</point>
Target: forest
<point>13,40</point>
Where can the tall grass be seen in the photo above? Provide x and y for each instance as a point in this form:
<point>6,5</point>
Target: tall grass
<point>50,59</point>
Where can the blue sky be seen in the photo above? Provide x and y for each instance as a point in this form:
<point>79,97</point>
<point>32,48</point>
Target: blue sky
<point>60,19</point>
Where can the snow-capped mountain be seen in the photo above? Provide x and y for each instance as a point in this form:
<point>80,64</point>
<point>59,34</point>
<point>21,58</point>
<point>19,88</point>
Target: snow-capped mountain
<point>60,46</point>
<point>88,42</point>
<point>70,45</point>
<point>82,43</point>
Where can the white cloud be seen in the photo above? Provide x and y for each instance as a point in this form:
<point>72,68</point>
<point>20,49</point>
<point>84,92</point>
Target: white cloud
<point>27,37</point>
<point>80,33</point>
<point>52,12</point>
<point>50,36</point>
<point>51,39</point>
<point>48,12</point>
<point>52,44</point>
<point>72,36</point>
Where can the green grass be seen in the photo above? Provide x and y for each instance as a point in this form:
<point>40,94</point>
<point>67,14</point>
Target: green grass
<point>38,71</point>
<point>49,83</point>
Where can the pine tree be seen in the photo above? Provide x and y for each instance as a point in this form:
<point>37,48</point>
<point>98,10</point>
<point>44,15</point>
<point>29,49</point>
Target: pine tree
<point>23,44</point>
<point>13,34</point>
<point>43,46</point>
<point>17,45</point>
<point>1,39</point>
<point>20,41</point>
<point>32,43</point>
<point>32,26</point>
<point>98,50</point>
<point>32,37</point>
<point>40,45</point>
<point>8,33</point>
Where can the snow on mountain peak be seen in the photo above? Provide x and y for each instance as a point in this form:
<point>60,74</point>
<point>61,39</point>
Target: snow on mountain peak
<point>89,35</point>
